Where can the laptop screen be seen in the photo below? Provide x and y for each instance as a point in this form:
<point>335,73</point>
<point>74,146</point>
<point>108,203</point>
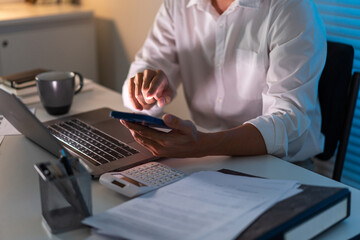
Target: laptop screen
<point>26,123</point>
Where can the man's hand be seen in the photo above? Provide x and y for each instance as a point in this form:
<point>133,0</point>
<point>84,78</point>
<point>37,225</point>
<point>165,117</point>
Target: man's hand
<point>149,88</point>
<point>183,141</point>
<point>186,141</point>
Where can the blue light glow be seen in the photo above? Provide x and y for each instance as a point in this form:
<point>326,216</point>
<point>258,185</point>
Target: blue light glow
<point>342,20</point>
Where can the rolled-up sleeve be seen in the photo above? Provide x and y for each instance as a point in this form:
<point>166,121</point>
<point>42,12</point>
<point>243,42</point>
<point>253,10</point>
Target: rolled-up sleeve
<point>297,53</point>
<point>158,52</point>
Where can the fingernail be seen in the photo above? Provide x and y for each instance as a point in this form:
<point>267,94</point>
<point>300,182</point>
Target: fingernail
<point>146,95</point>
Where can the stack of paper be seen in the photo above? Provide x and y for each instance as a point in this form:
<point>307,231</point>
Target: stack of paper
<point>6,128</point>
<point>204,205</point>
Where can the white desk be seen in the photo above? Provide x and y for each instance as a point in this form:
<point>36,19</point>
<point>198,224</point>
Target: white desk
<point>20,210</point>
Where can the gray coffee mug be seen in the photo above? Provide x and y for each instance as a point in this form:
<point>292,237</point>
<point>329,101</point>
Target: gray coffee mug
<point>56,90</point>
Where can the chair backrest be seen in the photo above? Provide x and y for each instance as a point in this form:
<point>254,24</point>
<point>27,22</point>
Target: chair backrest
<point>337,96</point>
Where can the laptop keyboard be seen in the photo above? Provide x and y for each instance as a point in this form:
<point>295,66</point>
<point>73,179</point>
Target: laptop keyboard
<point>95,144</point>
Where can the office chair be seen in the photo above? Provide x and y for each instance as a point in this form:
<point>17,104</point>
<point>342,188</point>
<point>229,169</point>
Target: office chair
<point>338,90</point>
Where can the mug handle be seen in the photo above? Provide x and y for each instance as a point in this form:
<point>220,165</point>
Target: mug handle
<point>81,84</point>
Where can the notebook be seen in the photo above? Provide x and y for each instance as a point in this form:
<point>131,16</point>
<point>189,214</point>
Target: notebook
<point>302,216</point>
<point>102,144</point>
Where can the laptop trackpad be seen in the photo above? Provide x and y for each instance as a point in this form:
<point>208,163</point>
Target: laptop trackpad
<point>115,129</point>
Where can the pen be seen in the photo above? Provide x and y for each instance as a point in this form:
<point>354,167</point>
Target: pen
<point>65,161</point>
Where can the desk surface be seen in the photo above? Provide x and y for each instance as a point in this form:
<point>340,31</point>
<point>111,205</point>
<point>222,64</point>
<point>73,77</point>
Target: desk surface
<point>20,210</point>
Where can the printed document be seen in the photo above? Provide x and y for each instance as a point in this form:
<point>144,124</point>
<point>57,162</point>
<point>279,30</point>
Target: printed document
<point>6,128</point>
<point>204,205</point>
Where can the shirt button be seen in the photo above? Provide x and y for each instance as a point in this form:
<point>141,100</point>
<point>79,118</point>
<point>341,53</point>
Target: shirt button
<point>221,25</point>
<point>219,99</point>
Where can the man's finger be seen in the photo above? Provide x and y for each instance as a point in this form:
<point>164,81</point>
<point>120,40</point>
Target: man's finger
<point>132,96</point>
<point>148,77</point>
<point>157,85</point>
<point>159,90</point>
<point>164,99</point>
<point>138,88</point>
<point>155,148</point>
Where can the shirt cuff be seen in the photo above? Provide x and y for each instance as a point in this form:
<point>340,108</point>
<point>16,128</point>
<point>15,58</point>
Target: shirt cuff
<point>273,133</point>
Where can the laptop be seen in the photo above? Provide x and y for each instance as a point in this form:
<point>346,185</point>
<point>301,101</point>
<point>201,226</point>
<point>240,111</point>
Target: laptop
<point>100,142</point>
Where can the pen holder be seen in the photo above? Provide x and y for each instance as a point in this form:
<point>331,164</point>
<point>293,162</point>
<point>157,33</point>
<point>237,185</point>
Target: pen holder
<point>65,200</point>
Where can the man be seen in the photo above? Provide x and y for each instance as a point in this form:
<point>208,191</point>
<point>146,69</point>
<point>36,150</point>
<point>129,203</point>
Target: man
<point>249,69</point>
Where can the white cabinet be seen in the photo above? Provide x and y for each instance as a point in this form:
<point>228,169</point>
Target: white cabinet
<point>52,37</point>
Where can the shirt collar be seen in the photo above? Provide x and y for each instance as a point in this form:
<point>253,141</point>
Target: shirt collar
<point>242,3</point>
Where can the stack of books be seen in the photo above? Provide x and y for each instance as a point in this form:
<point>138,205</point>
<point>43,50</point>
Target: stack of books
<point>23,82</point>
<point>23,85</point>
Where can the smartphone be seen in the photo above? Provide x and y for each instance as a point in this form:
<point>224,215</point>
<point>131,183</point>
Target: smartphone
<point>142,119</point>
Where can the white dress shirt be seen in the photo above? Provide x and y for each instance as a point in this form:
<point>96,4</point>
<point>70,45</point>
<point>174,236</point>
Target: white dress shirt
<point>259,62</point>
